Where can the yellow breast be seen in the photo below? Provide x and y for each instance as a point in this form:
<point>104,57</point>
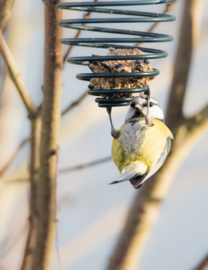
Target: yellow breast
<point>137,141</point>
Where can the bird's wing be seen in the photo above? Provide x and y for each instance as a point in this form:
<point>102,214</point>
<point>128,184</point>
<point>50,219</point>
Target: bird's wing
<point>161,160</point>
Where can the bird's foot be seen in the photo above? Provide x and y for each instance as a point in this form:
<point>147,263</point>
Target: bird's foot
<point>115,133</point>
<point>148,120</point>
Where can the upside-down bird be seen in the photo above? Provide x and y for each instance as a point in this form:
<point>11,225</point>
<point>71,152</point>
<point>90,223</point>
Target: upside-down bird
<point>140,149</point>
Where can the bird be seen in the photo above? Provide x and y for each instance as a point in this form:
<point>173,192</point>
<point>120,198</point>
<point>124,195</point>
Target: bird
<point>142,144</point>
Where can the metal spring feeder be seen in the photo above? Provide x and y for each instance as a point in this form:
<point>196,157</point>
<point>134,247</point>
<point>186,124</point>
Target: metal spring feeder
<point>144,37</point>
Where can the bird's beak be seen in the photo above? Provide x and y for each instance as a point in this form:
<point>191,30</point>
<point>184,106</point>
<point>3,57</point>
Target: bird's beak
<point>141,109</point>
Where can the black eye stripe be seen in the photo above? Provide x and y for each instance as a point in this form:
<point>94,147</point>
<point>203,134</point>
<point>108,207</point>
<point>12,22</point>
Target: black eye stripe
<point>133,104</point>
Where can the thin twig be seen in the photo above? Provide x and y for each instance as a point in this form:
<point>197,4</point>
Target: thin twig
<point>71,47</point>
<point>6,166</point>
<point>34,178</point>
<point>17,181</point>
<point>75,103</point>
<point>12,240</point>
<point>203,264</point>
<point>5,13</point>
<point>50,112</point>
<point>181,70</point>
<point>85,165</point>
<point>196,120</point>
<point>74,168</point>
<point>56,219</point>
<point>15,76</point>
<point>78,33</point>
<point>71,106</point>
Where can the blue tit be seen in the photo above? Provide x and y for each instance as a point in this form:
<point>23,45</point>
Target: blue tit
<point>140,149</point>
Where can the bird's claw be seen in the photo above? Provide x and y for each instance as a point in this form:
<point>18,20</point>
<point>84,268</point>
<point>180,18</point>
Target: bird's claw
<point>148,120</point>
<point>115,133</point>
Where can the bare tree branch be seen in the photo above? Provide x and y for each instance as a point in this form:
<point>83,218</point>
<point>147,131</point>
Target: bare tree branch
<point>181,68</point>
<point>195,121</point>
<point>203,264</point>
<point>15,76</point>
<point>17,181</point>
<point>78,33</point>
<point>51,112</point>
<point>58,248</point>
<point>71,106</point>
<point>6,166</point>
<point>75,103</point>
<point>69,50</point>
<point>71,169</point>
<point>86,165</point>
<point>34,178</point>
<point>13,238</point>
<point>5,13</point>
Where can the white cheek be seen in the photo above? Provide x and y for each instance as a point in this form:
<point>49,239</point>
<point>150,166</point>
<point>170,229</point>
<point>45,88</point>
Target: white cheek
<point>156,112</point>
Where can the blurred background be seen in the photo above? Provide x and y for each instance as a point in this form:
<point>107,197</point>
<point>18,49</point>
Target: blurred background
<point>91,212</point>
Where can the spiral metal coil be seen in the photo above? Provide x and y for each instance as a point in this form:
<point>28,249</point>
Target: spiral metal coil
<point>144,37</point>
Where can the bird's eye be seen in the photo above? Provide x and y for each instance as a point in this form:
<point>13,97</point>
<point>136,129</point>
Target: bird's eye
<point>133,104</point>
<point>151,104</point>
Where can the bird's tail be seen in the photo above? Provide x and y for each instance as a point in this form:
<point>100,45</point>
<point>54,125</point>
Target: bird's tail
<point>124,177</point>
<point>134,172</point>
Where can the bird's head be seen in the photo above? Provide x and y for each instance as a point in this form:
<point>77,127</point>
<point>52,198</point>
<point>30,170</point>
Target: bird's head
<point>138,108</point>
